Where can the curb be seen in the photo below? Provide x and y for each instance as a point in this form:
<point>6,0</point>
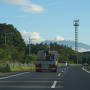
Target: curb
<point>85,70</point>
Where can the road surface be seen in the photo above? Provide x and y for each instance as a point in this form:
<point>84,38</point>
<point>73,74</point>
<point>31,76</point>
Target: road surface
<point>72,79</point>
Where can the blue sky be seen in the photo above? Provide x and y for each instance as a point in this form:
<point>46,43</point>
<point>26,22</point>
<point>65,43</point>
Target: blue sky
<point>48,18</point>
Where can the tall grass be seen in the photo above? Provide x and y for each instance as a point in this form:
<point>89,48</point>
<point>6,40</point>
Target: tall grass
<point>15,67</point>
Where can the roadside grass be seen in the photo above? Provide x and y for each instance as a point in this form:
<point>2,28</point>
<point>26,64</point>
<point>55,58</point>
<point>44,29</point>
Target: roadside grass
<point>21,67</point>
<point>75,64</point>
<point>87,67</point>
<point>16,67</point>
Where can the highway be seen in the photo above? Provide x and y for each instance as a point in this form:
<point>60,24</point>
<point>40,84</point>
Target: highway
<point>74,78</point>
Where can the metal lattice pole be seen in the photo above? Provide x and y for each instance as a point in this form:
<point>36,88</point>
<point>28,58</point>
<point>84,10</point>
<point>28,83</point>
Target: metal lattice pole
<point>76,24</point>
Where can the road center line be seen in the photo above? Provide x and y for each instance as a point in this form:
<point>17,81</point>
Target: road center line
<point>59,74</point>
<point>54,84</point>
<point>13,75</point>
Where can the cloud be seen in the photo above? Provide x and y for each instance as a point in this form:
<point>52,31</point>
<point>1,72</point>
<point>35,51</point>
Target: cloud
<point>27,6</point>
<point>34,36</point>
<point>59,38</point>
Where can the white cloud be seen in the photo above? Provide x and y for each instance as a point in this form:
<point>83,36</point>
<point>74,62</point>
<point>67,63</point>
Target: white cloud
<point>59,38</point>
<point>27,6</point>
<point>34,36</point>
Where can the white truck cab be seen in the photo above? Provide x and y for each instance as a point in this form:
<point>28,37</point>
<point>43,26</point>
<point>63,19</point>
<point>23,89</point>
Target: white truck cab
<point>64,64</point>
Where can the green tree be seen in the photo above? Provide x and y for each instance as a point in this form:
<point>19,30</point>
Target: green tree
<point>14,49</point>
<point>30,58</point>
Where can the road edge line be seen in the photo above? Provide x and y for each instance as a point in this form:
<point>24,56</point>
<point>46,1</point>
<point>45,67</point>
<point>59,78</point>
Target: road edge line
<point>13,75</point>
<point>85,70</point>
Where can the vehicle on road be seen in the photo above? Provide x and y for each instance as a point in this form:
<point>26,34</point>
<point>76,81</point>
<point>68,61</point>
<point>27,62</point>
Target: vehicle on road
<point>64,64</point>
<point>85,64</point>
<point>47,61</point>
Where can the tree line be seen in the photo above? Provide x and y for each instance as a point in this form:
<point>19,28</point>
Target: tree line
<point>13,48</point>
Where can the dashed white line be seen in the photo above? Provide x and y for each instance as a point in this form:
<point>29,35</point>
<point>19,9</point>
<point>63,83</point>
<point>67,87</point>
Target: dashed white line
<point>54,84</point>
<point>13,75</point>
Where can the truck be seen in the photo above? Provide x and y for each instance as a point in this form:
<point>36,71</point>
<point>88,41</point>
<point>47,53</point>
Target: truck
<point>47,61</point>
<point>64,64</point>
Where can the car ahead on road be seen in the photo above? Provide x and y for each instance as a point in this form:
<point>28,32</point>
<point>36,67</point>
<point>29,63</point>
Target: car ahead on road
<point>85,64</point>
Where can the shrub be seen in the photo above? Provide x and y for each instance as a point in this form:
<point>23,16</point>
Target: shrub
<point>5,68</point>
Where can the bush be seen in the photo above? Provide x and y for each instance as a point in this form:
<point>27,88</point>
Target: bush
<point>5,68</point>
<point>30,58</point>
<point>88,67</point>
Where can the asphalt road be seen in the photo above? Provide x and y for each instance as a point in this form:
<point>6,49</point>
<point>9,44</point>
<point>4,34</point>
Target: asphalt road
<point>72,79</point>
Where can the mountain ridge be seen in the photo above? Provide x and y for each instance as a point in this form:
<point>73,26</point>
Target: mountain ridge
<point>81,46</point>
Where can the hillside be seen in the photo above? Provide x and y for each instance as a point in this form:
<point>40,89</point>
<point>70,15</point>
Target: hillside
<point>12,46</point>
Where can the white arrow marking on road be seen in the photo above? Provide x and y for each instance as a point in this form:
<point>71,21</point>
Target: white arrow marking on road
<point>13,75</point>
<point>59,74</point>
<point>54,84</point>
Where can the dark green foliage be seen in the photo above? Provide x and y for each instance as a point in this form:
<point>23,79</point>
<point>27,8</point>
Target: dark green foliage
<point>30,58</point>
<point>5,68</point>
<point>65,53</point>
<point>14,48</point>
<point>85,57</point>
<point>34,48</point>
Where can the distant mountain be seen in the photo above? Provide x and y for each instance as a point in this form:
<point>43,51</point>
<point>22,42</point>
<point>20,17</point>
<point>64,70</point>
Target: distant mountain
<point>81,46</point>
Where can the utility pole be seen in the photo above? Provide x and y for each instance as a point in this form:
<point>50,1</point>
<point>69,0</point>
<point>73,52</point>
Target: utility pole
<point>29,44</point>
<point>5,38</point>
<point>5,35</point>
<point>76,24</point>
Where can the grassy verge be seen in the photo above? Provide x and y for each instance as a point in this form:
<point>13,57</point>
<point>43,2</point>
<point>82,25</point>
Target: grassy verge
<point>88,68</point>
<point>21,67</point>
<point>75,65</point>
<point>16,67</point>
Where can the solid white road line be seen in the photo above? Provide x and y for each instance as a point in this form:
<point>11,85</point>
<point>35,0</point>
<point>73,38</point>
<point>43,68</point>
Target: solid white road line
<point>54,84</point>
<point>85,70</point>
<point>13,75</point>
<point>59,74</point>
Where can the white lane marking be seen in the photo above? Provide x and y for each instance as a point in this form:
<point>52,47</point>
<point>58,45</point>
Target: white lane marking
<point>59,74</point>
<point>54,84</point>
<point>85,70</point>
<point>13,75</point>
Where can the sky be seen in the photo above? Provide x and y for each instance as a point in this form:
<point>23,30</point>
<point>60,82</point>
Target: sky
<point>47,19</point>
